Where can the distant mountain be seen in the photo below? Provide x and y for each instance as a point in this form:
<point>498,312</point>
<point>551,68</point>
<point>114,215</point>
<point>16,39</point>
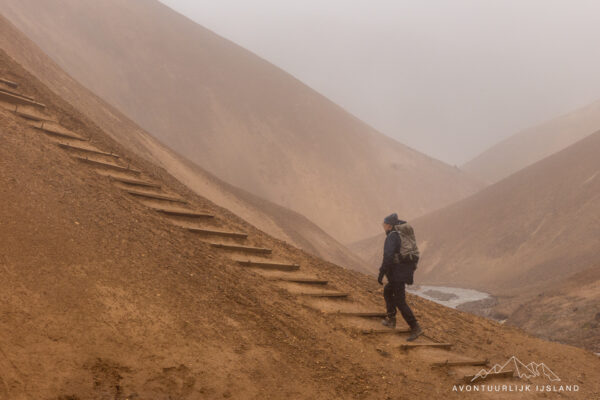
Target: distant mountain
<point>533,239</point>
<point>371,250</point>
<point>278,221</point>
<point>536,227</point>
<point>524,239</point>
<point>238,116</point>
<point>533,144</point>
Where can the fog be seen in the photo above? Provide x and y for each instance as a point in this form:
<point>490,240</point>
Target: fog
<point>446,77</point>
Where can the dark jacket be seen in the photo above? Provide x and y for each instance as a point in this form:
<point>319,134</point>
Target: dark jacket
<point>390,267</point>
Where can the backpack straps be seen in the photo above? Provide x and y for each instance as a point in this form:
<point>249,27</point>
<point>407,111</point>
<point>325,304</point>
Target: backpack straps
<point>397,253</point>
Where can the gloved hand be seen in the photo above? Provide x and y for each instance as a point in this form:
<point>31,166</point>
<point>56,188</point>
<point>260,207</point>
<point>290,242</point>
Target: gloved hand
<point>380,279</point>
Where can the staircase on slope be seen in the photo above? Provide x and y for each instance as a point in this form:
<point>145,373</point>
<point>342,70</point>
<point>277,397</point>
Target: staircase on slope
<point>183,214</point>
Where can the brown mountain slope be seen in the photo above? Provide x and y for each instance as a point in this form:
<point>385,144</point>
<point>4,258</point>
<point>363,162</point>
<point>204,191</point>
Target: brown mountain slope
<point>102,297</point>
<point>567,304</point>
<point>236,115</point>
<point>276,220</point>
<point>524,237</point>
<point>537,226</point>
<point>371,250</point>
<point>533,144</point>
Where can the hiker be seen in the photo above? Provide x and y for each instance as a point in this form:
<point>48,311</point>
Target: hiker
<point>400,258</point>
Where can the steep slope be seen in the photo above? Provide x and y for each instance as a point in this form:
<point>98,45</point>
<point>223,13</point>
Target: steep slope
<point>539,225</point>
<point>524,237</point>
<point>237,116</point>
<point>567,311</point>
<point>528,240</point>
<point>277,221</point>
<point>371,250</point>
<point>103,297</point>
<point>533,144</point>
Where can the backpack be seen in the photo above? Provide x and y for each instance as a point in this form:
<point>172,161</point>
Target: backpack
<point>409,252</point>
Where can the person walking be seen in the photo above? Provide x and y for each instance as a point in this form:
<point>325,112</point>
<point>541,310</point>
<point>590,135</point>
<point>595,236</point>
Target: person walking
<point>400,258</point>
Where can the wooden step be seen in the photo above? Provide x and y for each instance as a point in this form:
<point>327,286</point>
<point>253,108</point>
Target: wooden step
<point>135,182</point>
<point>205,231</point>
<point>86,150</point>
<point>384,331</point>
<point>11,84</point>
<point>460,363</point>
<point>10,91</point>
<point>31,116</point>
<point>182,213</point>
<point>269,265</point>
<point>18,99</point>
<point>101,164</point>
<point>307,281</point>
<point>51,130</point>
<point>334,295</point>
<point>247,249</point>
<point>155,196</point>
<point>407,346</point>
<point>361,314</point>
<point>501,374</point>
<point>35,124</point>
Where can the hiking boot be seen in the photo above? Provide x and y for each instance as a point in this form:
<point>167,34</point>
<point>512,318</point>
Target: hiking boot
<point>389,322</point>
<point>415,332</point>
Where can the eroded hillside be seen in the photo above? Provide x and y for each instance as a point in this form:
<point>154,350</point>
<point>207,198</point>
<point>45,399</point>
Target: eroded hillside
<point>278,221</point>
<point>236,115</point>
<point>534,144</point>
<point>119,282</point>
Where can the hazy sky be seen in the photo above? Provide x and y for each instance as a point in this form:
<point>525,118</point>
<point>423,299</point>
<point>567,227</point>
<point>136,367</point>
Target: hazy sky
<point>447,77</point>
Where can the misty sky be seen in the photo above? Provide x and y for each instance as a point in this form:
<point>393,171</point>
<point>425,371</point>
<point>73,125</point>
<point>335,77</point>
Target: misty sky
<point>447,77</point>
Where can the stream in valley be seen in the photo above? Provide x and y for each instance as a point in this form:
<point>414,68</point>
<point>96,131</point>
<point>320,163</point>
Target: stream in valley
<point>469,300</point>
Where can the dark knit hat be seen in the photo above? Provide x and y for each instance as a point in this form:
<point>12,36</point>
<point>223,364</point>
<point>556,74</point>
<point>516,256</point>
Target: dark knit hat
<point>391,219</point>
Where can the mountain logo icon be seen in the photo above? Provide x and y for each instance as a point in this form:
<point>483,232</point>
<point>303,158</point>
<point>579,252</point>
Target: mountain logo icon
<point>531,370</point>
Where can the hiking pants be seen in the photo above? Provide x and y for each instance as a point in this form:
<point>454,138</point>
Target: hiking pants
<point>394,294</point>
